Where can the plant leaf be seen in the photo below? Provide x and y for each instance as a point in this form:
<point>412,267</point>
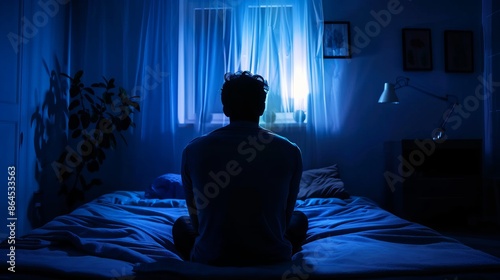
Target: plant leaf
<point>99,85</point>
<point>66,76</point>
<point>36,115</point>
<point>76,133</point>
<point>89,98</point>
<point>107,97</point>
<point>100,99</point>
<point>112,140</point>
<point>93,166</point>
<point>123,93</point>
<point>136,105</point>
<point>89,90</point>
<point>78,75</point>
<point>77,78</point>
<point>126,111</point>
<point>74,122</point>
<point>73,104</point>
<point>85,119</point>
<point>111,83</point>
<point>125,123</point>
<point>101,156</point>
<point>74,91</point>
<point>94,117</point>
<point>73,196</point>
<point>93,182</point>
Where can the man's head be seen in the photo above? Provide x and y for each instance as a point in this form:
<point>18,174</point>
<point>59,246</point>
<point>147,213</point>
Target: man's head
<point>243,96</point>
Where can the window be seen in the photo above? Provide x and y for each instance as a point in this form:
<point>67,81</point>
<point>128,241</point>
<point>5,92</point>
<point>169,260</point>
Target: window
<point>205,49</point>
<point>262,39</point>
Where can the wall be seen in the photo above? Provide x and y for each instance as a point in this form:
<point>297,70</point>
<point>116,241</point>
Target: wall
<point>367,141</point>
<point>36,47</point>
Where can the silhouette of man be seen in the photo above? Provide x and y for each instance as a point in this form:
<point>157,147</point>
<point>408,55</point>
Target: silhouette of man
<point>241,183</point>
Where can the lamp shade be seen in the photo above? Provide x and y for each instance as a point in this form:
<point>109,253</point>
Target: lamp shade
<point>389,94</point>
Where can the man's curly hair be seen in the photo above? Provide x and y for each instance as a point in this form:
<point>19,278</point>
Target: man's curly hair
<point>244,94</point>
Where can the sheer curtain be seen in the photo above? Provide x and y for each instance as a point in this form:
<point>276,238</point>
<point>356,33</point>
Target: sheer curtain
<point>280,40</point>
<point>174,55</point>
<point>135,42</point>
<point>491,102</point>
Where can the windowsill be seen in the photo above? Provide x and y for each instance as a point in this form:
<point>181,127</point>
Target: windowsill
<point>282,121</point>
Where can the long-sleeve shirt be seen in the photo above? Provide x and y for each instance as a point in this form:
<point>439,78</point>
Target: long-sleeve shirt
<point>241,183</point>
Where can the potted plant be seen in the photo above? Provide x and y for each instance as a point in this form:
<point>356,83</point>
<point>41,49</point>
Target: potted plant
<point>97,115</point>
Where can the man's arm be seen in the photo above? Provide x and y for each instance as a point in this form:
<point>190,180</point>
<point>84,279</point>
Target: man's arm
<point>294,186</point>
<point>188,191</point>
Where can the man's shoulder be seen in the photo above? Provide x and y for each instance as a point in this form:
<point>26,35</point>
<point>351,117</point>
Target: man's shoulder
<point>195,141</point>
<point>203,139</point>
<point>271,136</point>
<point>274,135</point>
<point>263,135</point>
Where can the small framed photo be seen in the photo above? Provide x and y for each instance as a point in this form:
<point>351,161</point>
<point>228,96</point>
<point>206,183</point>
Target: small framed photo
<point>458,51</point>
<point>336,39</point>
<point>417,49</point>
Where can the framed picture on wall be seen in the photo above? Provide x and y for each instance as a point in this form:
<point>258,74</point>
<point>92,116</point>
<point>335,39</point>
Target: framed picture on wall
<point>336,39</point>
<point>417,49</point>
<point>458,51</point>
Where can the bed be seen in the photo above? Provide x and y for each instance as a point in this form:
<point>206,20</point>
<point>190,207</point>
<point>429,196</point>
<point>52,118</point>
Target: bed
<point>127,235</point>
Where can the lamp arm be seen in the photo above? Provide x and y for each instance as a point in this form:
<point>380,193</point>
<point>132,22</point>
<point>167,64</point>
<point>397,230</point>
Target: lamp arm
<point>450,111</point>
<point>405,82</point>
<point>444,98</point>
<point>439,133</point>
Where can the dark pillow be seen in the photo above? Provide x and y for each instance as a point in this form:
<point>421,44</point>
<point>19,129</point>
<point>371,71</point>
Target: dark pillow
<point>322,183</point>
<point>166,186</point>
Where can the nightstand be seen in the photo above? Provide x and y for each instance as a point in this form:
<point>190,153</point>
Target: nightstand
<point>444,183</point>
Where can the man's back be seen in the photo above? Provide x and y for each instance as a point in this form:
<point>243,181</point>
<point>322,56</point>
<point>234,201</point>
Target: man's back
<point>244,181</point>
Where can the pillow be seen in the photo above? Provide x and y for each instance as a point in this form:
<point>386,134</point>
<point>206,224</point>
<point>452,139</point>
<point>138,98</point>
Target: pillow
<point>322,183</point>
<point>166,186</point>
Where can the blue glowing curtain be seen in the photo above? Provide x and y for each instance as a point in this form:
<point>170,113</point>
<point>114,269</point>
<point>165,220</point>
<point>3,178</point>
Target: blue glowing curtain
<point>174,55</point>
<point>280,40</point>
<point>136,42</point>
